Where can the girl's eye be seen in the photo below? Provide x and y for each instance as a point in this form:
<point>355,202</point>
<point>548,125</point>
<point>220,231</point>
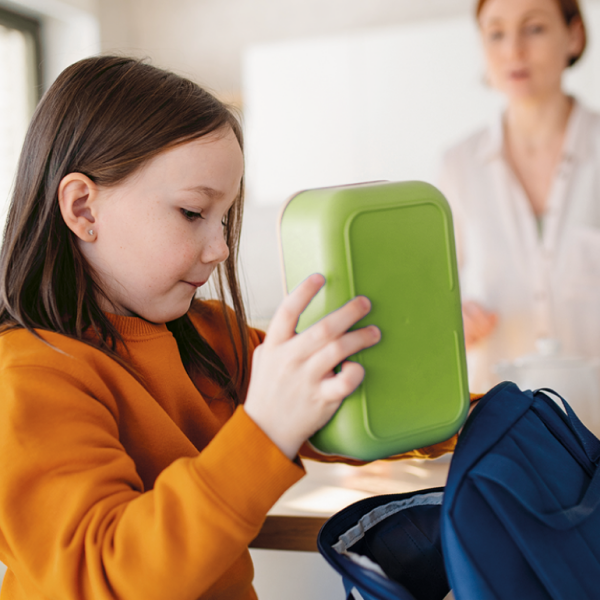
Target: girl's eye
<point>224,221</point>
<point>191,215</point>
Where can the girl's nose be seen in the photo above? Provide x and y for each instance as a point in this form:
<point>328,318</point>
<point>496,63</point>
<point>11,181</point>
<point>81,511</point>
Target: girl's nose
<point>215,249</point>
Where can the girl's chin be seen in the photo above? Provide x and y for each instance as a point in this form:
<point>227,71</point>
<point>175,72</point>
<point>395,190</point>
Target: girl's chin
<point>160,317</point>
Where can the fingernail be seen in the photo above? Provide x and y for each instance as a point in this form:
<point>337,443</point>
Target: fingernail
<point>365,302</point>
<point>376,331</point>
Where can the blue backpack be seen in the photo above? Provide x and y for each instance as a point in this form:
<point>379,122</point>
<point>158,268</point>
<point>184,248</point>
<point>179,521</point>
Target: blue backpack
<point>519,516</point>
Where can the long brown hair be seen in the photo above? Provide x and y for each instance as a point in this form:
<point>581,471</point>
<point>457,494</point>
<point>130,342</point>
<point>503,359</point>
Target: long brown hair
<point>570,11</point>
<point>105,117</point>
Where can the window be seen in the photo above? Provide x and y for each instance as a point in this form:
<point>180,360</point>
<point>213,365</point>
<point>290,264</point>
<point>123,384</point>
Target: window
<point>19,92</point>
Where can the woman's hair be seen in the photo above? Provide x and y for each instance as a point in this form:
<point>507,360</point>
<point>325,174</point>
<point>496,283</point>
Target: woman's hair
<point>106,117</point>
<point>570,11</point>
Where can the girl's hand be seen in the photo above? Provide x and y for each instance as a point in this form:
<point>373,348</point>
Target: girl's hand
<point>293,389</point>
<point>478,323</point>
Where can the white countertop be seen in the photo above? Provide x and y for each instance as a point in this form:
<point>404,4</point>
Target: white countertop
<point>329,487</point>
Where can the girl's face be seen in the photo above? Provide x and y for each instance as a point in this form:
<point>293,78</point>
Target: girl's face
<point>527,46</point>
<point>160,234</point>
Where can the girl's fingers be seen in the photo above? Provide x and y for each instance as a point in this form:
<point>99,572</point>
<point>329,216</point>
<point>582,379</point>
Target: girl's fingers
<point>293,389</point>
<point>332,354</point>
<point>327,330</point>
<point>332,327</point>
<point>283,324</point>
<point>342,384</point>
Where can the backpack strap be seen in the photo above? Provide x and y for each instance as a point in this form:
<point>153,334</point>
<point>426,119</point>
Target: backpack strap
<point>589,442</point>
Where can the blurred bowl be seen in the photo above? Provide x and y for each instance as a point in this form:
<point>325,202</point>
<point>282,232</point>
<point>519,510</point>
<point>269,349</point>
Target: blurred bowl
<point>575,379</point>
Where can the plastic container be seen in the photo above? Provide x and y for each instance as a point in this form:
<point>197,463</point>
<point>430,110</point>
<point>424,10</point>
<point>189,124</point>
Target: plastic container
<point>394,243</point>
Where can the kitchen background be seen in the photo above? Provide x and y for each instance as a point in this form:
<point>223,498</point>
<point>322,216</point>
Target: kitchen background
<point>330,92</point>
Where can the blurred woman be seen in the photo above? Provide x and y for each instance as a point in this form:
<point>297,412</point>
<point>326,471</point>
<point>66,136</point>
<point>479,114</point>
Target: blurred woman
<point>525,193</point>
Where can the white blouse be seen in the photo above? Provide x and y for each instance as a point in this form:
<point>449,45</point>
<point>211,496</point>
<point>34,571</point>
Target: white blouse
<point>540,285</point>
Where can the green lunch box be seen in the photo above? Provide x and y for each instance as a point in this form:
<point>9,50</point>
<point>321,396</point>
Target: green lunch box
<point>394,243</point>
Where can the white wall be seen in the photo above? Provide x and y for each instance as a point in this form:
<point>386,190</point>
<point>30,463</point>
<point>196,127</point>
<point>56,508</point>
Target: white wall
<point>205,39</point>
<point>360,107</point>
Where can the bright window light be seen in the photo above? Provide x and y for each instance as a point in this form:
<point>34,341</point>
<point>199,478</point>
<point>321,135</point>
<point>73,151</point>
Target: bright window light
<point>18,95</point>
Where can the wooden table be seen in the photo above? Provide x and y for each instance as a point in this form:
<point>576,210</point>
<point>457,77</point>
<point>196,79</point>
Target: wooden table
<point>295,520</point>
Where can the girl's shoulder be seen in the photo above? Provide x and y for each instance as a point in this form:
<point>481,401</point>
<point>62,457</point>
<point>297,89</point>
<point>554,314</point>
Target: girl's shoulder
<point>19,346</point>
<point>46,356</point>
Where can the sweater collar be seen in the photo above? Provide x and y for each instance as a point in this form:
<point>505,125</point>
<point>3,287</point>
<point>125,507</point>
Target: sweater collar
<point>136,327</point>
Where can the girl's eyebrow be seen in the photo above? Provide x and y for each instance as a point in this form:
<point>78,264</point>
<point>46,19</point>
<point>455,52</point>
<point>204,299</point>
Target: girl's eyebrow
<point>205,191</point>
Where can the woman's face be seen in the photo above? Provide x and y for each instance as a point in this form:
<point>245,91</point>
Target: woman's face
<point>527,46</point>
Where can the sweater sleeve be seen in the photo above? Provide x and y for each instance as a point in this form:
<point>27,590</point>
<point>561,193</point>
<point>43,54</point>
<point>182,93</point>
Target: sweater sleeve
<point>75,521</point>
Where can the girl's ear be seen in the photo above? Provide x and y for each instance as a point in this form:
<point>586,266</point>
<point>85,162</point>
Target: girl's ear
<point>76,197</point>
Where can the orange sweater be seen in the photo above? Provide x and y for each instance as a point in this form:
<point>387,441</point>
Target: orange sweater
<point>114,489</point>
<point>111,489</point>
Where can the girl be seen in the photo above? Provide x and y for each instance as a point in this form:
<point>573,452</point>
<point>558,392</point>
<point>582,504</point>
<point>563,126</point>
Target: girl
<point>525,194</point>
<point>129,466</point>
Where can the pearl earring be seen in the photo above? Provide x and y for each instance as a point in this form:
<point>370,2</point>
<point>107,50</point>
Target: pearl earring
<point>90,231</point>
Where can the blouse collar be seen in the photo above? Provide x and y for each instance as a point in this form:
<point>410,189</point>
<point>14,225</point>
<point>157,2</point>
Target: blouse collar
<point>577,144</point>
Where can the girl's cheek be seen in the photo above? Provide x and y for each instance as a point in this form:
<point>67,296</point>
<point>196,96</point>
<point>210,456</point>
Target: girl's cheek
<point>189,253</point>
